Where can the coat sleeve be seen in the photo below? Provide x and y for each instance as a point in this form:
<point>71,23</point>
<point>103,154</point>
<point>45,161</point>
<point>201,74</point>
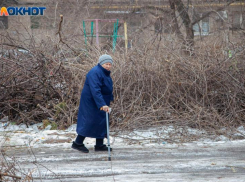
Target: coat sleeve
<point>95,88</point>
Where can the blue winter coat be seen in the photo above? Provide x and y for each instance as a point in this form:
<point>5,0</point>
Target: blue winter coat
<point>97,92</point>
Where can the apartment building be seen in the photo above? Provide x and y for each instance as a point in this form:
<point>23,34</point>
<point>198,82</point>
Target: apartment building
<point>134,12</point>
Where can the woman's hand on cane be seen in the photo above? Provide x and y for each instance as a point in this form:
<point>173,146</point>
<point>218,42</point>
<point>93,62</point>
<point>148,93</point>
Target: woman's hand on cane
<point>105,108</point>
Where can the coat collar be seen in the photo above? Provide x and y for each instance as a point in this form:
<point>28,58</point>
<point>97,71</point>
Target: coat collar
<point>104,70</point>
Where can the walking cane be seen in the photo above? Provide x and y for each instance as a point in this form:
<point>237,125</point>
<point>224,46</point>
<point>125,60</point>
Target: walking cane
<point>108,139</point>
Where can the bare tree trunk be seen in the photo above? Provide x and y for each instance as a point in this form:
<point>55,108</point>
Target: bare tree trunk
<point>189,40</point>
<point>186,21</point>
<point>174,20</point>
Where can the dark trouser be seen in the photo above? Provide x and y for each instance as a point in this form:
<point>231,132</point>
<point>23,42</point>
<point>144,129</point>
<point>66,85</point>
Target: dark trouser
<point>79,140</point>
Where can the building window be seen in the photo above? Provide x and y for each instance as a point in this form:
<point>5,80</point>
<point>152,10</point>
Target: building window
<point>220,19</point>
<point>41,22</point>
<point>202,27</point>
<point>98,2</point>
<point>3,22</point>
<point>135,24</point>
<point>243,21</point>
<point>35,22</point>
<point>158,26</point>
<point>132,1</point>
<point>163,25</point>
<point>237,20</point>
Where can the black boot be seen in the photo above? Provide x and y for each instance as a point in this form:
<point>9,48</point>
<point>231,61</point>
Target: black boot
<point>101,148</point>
<point>81,147</point>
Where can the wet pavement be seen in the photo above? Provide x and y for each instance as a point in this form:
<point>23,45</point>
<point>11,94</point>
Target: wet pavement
<point>216,161</point>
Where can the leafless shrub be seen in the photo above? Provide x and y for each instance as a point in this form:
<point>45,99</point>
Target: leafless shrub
<point>151,87</point>
<point>204,91</point>
<point>10,170</point>
<point>154,83</point>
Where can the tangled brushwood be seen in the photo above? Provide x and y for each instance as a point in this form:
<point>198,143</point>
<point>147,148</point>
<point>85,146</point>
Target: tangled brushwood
<point>205,90</point>
<point>10,169</point>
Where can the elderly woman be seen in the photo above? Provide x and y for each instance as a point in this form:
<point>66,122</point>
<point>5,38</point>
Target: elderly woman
<point>94,103</point>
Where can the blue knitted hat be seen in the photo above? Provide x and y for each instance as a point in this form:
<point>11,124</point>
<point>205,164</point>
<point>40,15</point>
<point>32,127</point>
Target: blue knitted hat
<point>105,59</point>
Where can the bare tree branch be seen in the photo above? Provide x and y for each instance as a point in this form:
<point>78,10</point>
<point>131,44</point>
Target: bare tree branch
<point>9,175</point>
<point>60,36</point>
<point>210,12</point>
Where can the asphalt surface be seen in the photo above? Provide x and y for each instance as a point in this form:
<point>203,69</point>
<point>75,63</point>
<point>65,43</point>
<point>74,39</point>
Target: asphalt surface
<point>221,162</point>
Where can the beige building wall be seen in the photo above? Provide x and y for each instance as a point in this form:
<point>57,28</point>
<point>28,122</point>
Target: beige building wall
<point>36,29</point>
<point>20,28</point>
